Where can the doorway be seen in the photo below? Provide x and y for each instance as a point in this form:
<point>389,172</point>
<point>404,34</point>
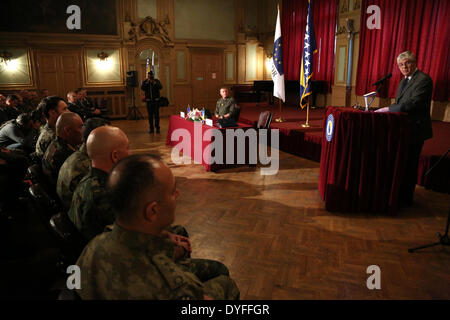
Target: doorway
<point>207,77</point>
<point>59,71</point>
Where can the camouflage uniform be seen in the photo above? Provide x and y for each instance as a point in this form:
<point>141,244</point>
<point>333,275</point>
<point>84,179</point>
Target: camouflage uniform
<point>55,155</point>
<point>225,106</point>
<point>90,210</point>
<point>45,138</point>
<point>72,171</point>
<point>124,264</point>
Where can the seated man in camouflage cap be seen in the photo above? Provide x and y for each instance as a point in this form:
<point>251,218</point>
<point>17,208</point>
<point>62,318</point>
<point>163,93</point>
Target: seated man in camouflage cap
<point>77,165</point>
<point>136,260</point>
<point>90,210</point>
<point>68,140</point>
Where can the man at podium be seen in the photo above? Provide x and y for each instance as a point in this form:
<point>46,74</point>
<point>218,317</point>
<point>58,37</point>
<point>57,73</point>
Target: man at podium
<point>414,98</point>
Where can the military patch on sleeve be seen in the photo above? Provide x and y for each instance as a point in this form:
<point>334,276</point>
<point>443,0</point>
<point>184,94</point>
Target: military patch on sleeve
<point>169,271</point>
<point>183,284</point>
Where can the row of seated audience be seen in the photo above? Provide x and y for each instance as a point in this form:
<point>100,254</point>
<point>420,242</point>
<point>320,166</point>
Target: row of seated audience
<point>27,101</point>
<point>123,204</point>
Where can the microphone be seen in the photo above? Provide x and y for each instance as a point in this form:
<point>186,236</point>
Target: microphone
<point>382,79</point>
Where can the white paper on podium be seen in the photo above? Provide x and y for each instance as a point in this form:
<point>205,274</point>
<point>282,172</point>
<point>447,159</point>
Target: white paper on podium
<point>368,95</point>
<point>182,114</point>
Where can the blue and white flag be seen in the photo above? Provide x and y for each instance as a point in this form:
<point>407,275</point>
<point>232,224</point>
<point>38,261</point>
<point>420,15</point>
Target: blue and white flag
<point>306,68</point>
<point>153,63</point>
<point>148,66</point>
<point>277,63</point>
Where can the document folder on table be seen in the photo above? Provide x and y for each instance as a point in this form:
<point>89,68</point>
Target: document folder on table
<point>227,122</point>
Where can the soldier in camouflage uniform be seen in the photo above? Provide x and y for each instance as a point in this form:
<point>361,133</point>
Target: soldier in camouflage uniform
<point>137,259</point>
<point>76,166</point>
<point>225,106</point>
<point>45,138</point>
<point>68,138</point>
<point>51,107</point>
<point>90,210</point>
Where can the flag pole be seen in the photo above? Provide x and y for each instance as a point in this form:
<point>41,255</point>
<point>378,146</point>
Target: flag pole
<point>280,119</point>
<point>306,67</point>
<point>306,125</point>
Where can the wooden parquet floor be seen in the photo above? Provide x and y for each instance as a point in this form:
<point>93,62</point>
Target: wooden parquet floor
<point>280,243</point>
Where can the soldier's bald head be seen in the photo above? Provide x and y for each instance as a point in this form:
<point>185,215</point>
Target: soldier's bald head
<point>133,182</point>
<point>68,127</point>
<point>108,144</point>
<point>67,119</point>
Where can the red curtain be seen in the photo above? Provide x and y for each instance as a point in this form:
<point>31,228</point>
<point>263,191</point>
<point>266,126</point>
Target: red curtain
<point>420,26</point>
<point>293,25</point>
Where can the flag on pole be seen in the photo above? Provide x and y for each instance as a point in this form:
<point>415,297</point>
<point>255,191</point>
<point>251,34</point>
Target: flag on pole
<point>153,63</point>
<point>148,67</point>
<point>277,63</point>
<point>306,67</point>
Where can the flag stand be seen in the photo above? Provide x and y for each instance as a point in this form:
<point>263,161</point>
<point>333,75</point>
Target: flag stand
<point>306,67</point>
<point>280,119</point>
<point>306,125</point>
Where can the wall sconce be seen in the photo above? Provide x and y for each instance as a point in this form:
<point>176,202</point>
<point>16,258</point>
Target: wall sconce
<point>102,56</point>
<point>104,64</point>
<point>9,64</point>
<point>5,57</point>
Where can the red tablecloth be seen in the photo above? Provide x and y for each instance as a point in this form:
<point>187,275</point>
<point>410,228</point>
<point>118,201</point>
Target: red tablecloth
<point>361,166</point>
<point>200,139</point>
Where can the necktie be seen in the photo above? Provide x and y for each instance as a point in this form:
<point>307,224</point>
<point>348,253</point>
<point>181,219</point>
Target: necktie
<point>405,83</point>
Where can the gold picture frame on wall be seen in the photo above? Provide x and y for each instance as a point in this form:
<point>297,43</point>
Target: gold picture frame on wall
<point>230,66</point>
<point>17,71</point>
<point>182,72</point>
<point>103,67</point>
<point>341,65</point>
<point>251,55</point>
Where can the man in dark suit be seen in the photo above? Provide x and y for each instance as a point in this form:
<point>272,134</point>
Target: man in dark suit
<point>151,87</point>
<point>414,98</point>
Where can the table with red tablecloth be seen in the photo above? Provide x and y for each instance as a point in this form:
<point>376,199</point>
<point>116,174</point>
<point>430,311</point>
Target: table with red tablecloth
<point>362,160</point>
<point>201,137</point>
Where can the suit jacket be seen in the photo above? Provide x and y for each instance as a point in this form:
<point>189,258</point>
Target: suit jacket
<point>151,90</point>
<point>416,101</point>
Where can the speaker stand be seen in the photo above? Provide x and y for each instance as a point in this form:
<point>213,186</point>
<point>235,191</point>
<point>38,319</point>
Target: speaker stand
<point>133,111</point>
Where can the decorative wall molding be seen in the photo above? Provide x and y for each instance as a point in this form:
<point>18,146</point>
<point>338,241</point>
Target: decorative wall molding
<point>148,28</point>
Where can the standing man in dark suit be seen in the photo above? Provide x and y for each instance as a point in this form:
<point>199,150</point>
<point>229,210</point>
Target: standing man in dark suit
<point>414,98</point>
<point>151,87</point>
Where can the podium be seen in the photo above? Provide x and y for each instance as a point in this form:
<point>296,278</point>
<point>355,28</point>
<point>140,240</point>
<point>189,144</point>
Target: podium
<point>362,160</point>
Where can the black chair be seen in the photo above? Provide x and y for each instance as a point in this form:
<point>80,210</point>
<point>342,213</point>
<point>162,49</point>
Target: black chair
<point>71,241</point>
<point>46,204</point>
<point>37,176</point>
<point>265,119</point>
<point>237,112</point>
<point>35,172</point>
<point>63,227</point>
